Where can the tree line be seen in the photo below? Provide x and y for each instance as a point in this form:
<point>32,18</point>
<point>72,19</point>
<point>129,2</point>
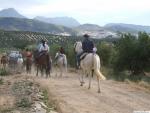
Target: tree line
<point>129,53</point>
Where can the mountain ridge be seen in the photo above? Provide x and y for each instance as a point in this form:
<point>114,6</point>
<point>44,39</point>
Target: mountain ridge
<point>65,21</point>
<point>24,24</point>
<point>122,27</point>
<point>10,12</point>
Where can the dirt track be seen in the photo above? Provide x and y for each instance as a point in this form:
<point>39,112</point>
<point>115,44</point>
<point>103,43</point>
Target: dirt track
<point>116,97</point>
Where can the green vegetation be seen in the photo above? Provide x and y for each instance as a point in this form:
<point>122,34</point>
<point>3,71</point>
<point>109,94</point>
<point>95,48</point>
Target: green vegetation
<point>133,53</point>
<point>50,105</point>
<point>6,110</point>
<point>123,58</point>
<point>1,81</point>
<point>4,72</point>
<point>24,103</point>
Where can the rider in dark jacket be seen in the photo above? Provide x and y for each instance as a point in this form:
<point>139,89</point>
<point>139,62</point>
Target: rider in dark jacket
<point>87,46</point>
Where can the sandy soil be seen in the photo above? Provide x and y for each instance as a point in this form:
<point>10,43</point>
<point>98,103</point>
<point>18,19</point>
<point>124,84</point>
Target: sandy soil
<point>116,97</point>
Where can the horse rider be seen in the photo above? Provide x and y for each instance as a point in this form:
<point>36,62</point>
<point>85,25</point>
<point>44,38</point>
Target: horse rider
<point>28,53</point>
<point>87,47</point>
<point>43,47</point>
<point>61,53</point>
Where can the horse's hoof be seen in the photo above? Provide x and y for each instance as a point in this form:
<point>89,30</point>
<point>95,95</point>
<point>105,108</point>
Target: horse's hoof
<point>81,84</point>
<point>88,87</point>
<point>99,91</point>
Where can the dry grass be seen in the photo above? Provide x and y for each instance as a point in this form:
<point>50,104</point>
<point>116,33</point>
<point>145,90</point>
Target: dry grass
<point>144,84</point>
<point>7,102</point>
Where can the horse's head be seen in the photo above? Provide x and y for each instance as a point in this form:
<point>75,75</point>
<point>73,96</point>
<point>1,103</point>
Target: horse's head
<point>57,54</point>
<point>78,47</point>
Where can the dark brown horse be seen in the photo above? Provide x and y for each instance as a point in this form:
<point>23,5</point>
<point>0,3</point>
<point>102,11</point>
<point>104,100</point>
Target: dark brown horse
<point>4,61</point>
<point>42,62</point>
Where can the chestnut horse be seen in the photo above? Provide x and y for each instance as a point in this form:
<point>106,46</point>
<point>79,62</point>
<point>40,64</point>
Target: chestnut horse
<point>4,61</point>
<point>42,62</point>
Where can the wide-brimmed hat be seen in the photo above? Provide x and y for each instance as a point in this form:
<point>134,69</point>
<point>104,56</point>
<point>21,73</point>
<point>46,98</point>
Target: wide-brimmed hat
<point>86,36</point>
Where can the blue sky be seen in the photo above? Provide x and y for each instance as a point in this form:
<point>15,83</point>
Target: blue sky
<point>98,12</point>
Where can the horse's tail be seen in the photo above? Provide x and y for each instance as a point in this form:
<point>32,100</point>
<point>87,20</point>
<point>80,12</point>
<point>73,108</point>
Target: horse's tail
<point>96,67</point>
<point>99,74</point>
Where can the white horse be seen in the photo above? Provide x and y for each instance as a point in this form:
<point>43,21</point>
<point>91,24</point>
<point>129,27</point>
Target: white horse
<point>61,63</point>
<point>90,65</point>
<point>20,64</point>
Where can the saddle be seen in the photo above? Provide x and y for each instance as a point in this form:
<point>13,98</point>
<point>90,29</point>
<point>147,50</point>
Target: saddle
<point>83,56</point>
<point>39,54</point>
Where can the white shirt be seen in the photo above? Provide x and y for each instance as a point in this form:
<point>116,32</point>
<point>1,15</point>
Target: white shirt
<point>42,48</point>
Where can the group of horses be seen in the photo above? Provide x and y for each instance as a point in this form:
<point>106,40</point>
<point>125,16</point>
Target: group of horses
<point>42,62</point>
<point>90,65</point>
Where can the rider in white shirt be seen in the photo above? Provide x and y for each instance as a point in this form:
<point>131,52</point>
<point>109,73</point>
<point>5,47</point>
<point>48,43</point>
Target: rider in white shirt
<point>43,46</point>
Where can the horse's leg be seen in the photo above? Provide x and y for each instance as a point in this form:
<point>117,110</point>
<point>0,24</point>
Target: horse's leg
<point>82,81</point>
<point>90,79</point>
<point>56,71</point>
<point>61,71</point>
<point>29,68</point>
<point>41,68</point>
<point>98,79</point>
<point>4,66</point>
<point>37,70</point>
<point>46,71</point>
<point>49,68</point>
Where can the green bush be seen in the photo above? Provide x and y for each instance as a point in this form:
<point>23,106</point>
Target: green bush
<point>105,51</point>
<point>4,72</point>
<point>133,53</point>
<point>1,81</point>
<point>24,103</point>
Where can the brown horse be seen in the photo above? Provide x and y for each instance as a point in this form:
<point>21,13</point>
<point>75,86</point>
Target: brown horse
<point>4,61</point>
<point>28,64</point>
<point>28,61</point>
<point>43,62</point>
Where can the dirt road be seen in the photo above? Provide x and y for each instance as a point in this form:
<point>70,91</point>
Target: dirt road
<point>116,97</point>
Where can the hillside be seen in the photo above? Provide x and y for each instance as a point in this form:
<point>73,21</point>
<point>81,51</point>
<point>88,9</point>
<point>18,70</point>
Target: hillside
<point>10,12</point>
<point>65,21</point>
<point>94,31</point>
<point>22,24</point>
<point>131,28</point>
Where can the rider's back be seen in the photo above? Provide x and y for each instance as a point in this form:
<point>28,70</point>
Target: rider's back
<point>87,45</point>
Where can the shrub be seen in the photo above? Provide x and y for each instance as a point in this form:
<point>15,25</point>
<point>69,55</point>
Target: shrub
<point>4,72</point>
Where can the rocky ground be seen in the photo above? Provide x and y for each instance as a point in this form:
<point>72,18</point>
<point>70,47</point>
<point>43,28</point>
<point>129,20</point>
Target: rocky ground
<point>20,94</point>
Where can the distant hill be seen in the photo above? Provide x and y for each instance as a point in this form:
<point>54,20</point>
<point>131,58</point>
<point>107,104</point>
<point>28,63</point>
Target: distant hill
<point>10,12</point>
<point>94,31</point>
<point>65,21</point>
<point>22,24</point>
<point>93,27</point>
<point>131,28</point>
